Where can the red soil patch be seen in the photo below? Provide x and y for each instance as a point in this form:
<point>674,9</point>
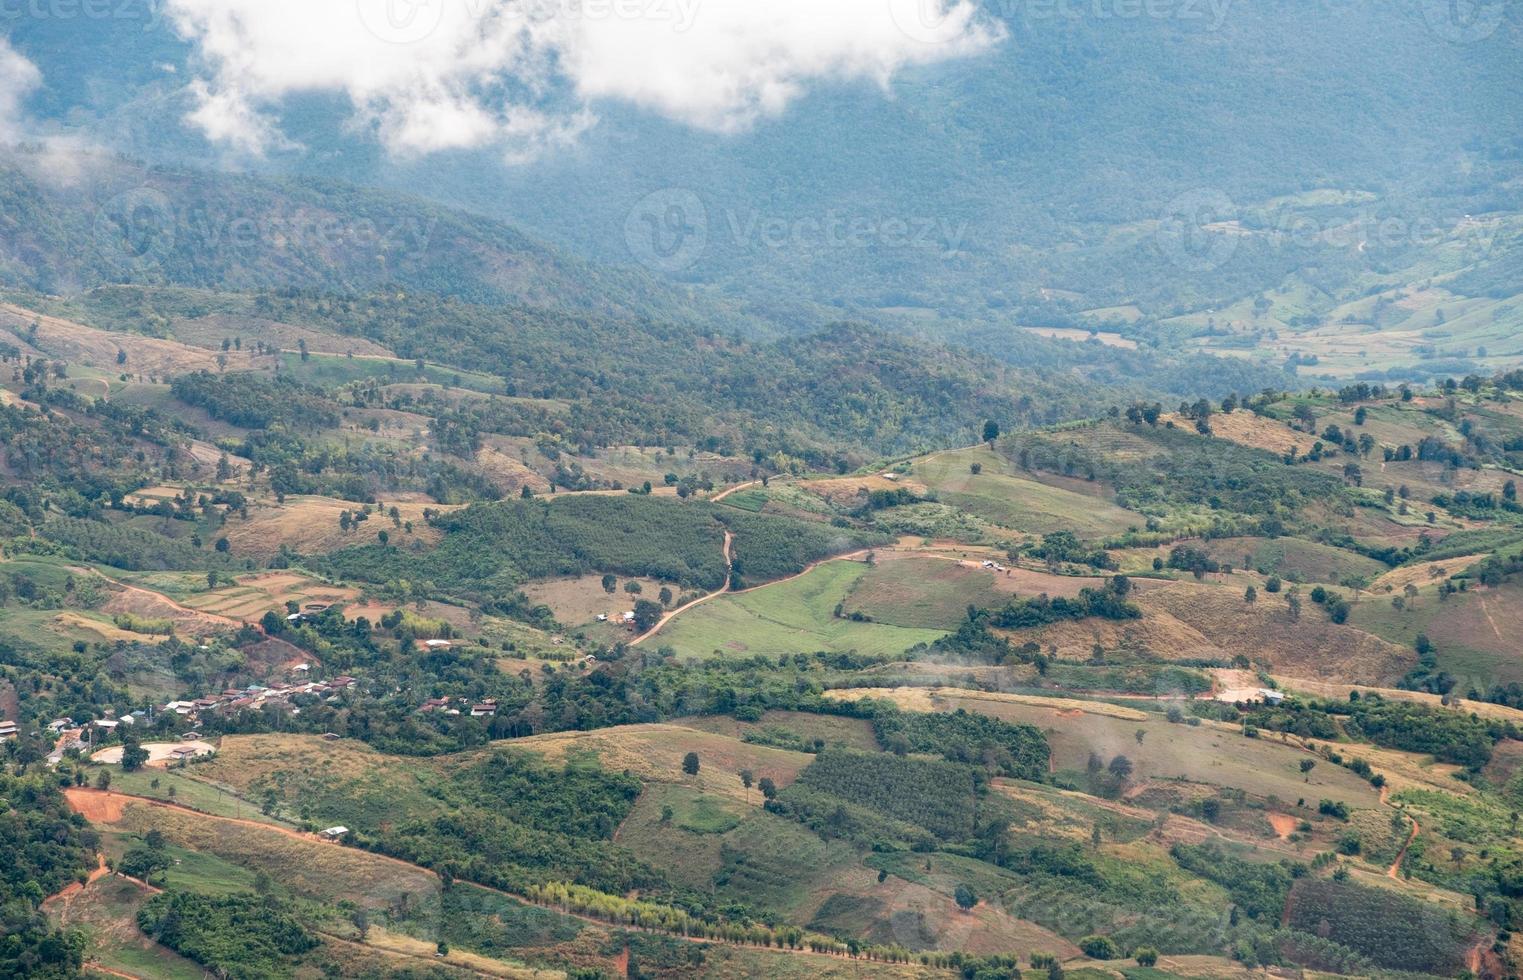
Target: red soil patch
<point>1284,825</point>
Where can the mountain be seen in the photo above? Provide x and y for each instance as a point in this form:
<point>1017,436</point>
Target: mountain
<point>1058,172</point>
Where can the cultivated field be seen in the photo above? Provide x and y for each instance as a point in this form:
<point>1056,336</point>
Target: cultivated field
<point>998,496</point>
<point>788,617</point>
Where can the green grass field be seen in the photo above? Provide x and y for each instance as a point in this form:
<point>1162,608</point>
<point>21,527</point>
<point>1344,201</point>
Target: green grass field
<point>797,616</point>
<point>998,496</point>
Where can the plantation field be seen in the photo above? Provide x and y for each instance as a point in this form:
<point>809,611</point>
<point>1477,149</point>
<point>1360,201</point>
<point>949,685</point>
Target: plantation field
<point>796,616</point>
<point>1019,504</point>
<point>254,595</point>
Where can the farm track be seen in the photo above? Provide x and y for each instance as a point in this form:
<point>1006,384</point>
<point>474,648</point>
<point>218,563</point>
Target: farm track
<point>106,806</point>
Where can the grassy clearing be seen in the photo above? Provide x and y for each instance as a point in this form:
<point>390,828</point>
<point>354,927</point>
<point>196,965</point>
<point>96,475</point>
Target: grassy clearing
<point>328,370</point>
<point>1475,633</point>
<point>924,593</point>
<point>1295,560</point>
<point>996,495</point>
<point>1206,754</point>
<point>654,753</point>
<point>188,789</point>
<point>107,909</point>
<point>306,868</point>
<point>797,616</point>
<point>778,726</point>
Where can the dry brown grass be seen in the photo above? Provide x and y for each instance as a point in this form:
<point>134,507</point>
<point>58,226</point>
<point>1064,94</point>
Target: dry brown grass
<point>146,604</point>
<point>654,753</point>
<point>1424,573</point>
<point>847,490</point>
<point>242,760</point>
<point>1248,429</point>
<point>507,471</point>
<point>306,866</point>
<point>1193,620</point>
<point>928,699</point>
<point>89,347</point>
<point>309,525</point>
<point>581,600</point>
<point>210,331</point>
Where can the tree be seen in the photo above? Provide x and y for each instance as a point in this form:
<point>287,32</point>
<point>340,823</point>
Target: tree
<point>133,753</point>
<point>103,780</point>
<point>1146,956</point>
<point>1121,767</point>
<point>746,779</point>
<point>768,788</point>
<point>647,615</point>
<point>965,897</point>
<point>1099,947</point>
<point>1250,595</point>
<point>991,432</point>
<point>1140,734</point>
<point>610,583</point>
<point>690,763</point>
<point>223,546</point>
<point>1307,765</point>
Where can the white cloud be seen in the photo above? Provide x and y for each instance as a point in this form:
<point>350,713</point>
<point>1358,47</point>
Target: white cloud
<point>18,77</point>
<point>445,74</point>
